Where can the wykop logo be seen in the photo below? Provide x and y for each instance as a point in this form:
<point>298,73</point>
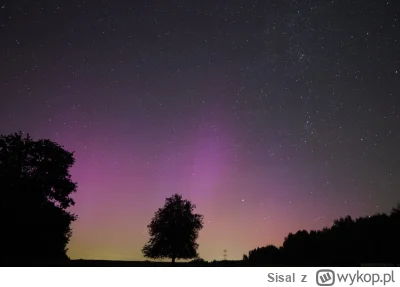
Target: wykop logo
<point>325,277</point>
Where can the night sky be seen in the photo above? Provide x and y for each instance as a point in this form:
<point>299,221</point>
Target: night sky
<point>270,116</point>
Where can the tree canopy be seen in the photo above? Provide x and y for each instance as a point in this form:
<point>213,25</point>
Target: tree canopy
<point>174,230</point>
<point>348,242</point>
<point>35,190</point>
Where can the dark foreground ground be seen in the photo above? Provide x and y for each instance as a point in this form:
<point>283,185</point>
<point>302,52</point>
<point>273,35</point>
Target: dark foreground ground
<point>228,263</point>
<point>111,263</point>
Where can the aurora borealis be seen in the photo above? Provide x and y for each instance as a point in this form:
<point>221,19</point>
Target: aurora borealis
<point>270,116</point>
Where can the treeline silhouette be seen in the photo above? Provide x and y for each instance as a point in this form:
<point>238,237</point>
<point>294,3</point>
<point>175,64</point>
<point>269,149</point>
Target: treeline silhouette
<point>36,189</point>
<point>348,242</point>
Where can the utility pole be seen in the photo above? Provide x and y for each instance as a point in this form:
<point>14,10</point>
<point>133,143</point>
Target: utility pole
<point>225,255</point>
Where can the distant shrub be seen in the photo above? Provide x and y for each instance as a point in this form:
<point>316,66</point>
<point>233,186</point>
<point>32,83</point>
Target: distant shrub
<point>198,261</point>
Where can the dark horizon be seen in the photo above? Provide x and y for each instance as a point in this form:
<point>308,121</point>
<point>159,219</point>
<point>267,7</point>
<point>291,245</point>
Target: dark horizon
<point>261,256</point>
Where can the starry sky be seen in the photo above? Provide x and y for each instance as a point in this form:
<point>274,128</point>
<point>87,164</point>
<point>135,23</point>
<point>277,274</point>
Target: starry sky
<point>271,116</point>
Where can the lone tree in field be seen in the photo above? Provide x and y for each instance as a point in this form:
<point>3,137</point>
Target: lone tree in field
<point>35,189</point>
<point>174,230</point>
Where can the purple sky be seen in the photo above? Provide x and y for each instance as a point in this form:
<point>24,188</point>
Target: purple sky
<point>271,116</point>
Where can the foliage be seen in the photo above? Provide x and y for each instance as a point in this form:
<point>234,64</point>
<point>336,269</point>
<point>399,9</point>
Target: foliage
<point>348,242</point>
<point>264,255</point>
<point>35,189</point>
<point>174,231</point>
<point>198,262</point>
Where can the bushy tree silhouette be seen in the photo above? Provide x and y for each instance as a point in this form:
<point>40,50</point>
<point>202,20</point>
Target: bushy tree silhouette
<point>268,255</point>
<point>198,262</point>
<point>174,231</point>
<point>395,211</point>
<point>35,189</point>
<point>348,242</point>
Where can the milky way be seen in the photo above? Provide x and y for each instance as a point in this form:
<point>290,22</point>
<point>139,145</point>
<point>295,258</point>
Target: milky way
<point>271,116</point>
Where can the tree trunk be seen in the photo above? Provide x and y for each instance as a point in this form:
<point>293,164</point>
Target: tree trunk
<point>173,261</point>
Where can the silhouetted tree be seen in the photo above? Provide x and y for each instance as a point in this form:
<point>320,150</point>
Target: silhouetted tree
<point>174,231</point>
<point>198,262</point>
<point>35,189</point>
<point>296,247</point>
<point>268,255</point>
<point>394,239</point>
<point>396,210</point>
<point>348,242</point>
